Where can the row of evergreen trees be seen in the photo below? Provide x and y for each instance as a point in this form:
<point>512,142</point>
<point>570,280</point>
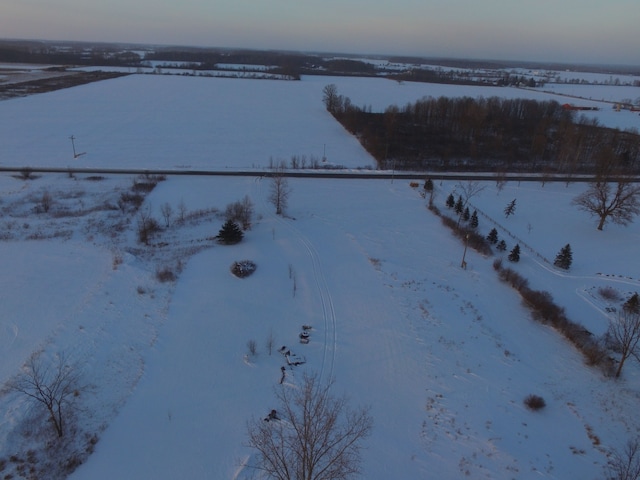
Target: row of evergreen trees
<point>563,259</point>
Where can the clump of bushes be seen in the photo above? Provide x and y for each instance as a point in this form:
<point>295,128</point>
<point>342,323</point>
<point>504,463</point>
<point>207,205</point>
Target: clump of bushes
<point>544,310</point>
<point>166,274</point>
<point>534,402</point>
<point>240,212</point>
<point>147,227</point>
<point>609,293</point>
<point>129,199</point>
<point>474,240</point>
<point>243,268</point>
<point>146,183</point>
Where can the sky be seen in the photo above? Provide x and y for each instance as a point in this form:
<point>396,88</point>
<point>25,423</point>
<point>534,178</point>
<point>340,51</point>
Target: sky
<point>576,31</point>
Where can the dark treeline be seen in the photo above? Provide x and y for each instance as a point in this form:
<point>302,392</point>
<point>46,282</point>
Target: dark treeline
<point>34,52</point>
<point>208,59</point>
<point>488,134</point>
<point>291,64</point>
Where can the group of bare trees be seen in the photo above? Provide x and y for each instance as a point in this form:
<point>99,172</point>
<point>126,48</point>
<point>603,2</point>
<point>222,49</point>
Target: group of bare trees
<point>488,134</point>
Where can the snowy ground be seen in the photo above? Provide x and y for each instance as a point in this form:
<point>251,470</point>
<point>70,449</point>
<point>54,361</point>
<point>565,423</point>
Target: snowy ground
<point>444,356</point>
<point>155,121</point>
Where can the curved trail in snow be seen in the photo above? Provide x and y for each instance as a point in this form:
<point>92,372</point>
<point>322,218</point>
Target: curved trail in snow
<point>328,310</point>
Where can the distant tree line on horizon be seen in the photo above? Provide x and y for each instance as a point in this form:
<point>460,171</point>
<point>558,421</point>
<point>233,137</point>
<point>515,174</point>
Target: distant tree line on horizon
<point>487,134</point>
<point>290,64</point>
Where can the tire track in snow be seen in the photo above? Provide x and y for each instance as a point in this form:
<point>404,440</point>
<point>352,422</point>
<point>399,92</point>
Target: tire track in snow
<point>328,310</point>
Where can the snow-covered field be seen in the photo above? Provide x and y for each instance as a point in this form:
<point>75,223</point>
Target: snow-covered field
<point>149,121</point>
<point>444,356</point>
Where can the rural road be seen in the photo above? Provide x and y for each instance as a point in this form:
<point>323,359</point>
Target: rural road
<point>345,174</point>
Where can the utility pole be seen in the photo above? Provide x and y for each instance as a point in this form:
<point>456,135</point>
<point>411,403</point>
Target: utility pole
<point>73,145</point>
<point>72,138</point>
<point>464,254</point>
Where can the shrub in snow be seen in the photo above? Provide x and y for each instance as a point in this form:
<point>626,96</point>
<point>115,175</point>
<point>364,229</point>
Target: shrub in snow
<point>165,274</point>
<point>544,310</point>
<point>535,402</point>
<point>243,268</point>
<point>147,227</point>
<point>608,293</point>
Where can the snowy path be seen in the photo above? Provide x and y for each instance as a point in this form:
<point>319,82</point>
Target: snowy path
<point>326,370</point>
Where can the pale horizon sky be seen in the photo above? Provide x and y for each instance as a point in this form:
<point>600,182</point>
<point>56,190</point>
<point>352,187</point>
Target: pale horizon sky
<point>574,31</point>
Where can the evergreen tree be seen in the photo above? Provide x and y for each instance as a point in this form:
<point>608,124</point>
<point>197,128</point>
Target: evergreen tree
<point>564,257</point>
<point>502,246</point>
<point>514,254</point>
<point>459,205</point>
<point>466,214</point>
<point>493,236</point>
<point>473,223</point>
<point>510,209</point>
<point>230,233</point>
<point>632,305</point>
<point>450,201</point>
<point>428,185</point>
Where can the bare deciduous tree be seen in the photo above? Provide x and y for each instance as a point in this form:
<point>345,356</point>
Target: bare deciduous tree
<point>182,211</point>
<point>625,465</point>
<point>167,213</point>
<point>468,189</point>
<point>241,212</point>
<point>147,225</point>
<point>54,385</point>
<point>624,335</point>
<point>46,201</point>
<point>314,435</point>
<point>601,199</point>
<point>330,97</point>
<point>280,191</point>
<point>270,341</point>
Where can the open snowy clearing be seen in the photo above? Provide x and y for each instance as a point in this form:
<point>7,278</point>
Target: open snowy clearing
<point>444,356</point>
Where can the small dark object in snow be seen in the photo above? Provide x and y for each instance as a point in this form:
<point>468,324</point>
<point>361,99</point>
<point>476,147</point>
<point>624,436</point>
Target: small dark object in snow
<point>243,268</point>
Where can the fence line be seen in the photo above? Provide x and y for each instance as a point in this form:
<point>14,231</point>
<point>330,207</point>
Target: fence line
<point>512,235</point>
